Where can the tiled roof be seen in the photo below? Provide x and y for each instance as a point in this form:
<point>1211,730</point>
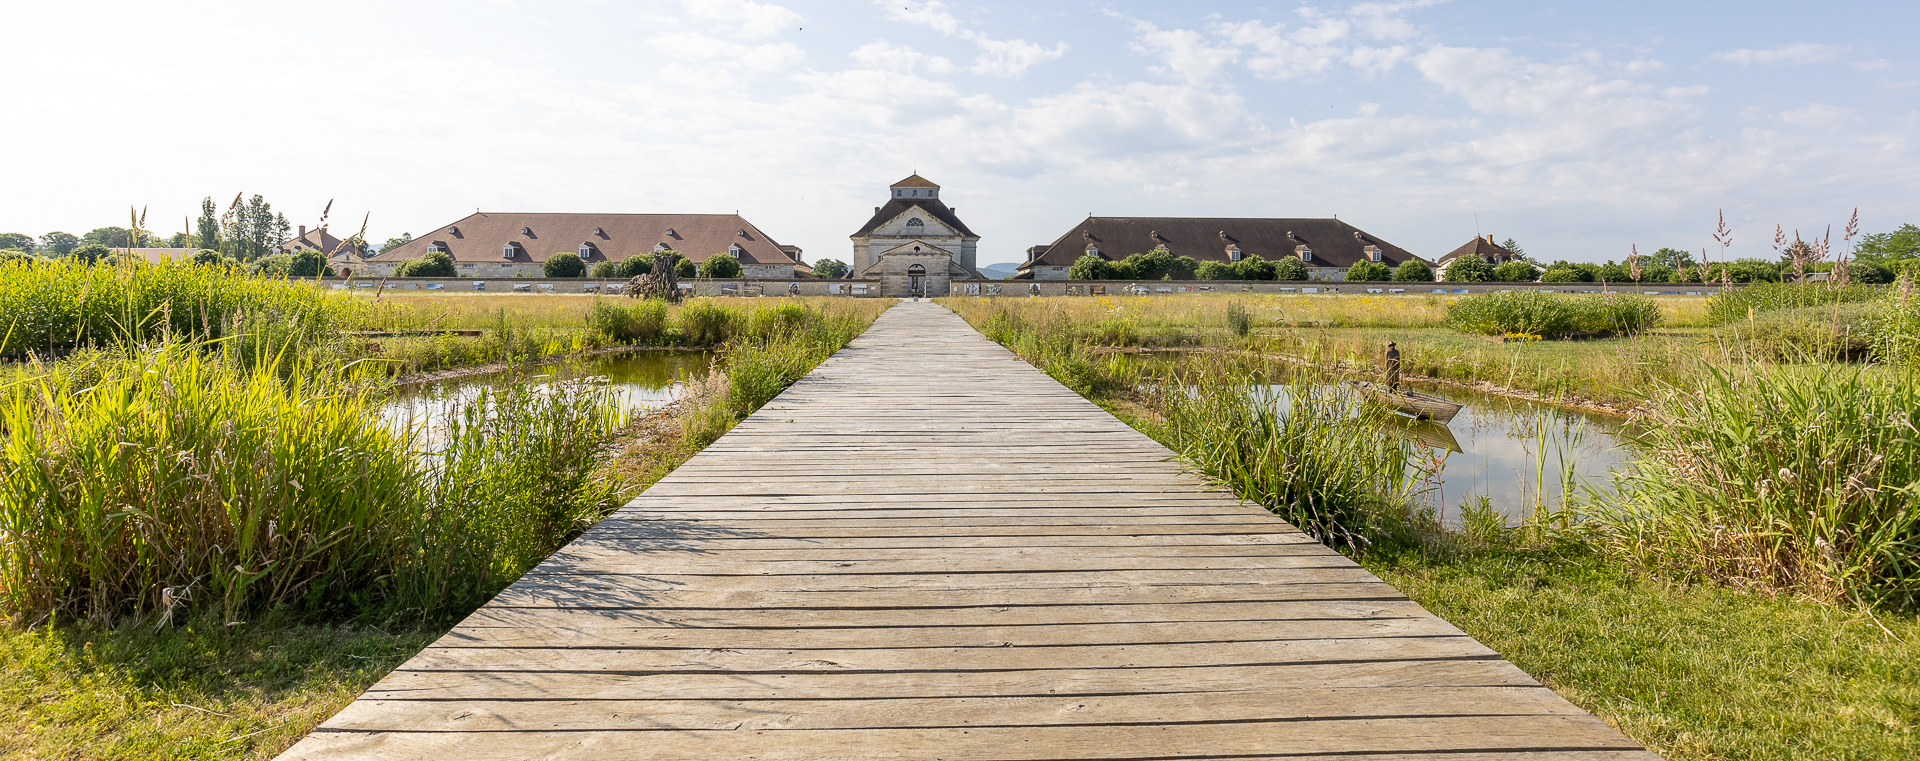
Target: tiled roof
<point>1334,243</point>
<point>914,181</point>
<point>318,240</point>
<point>898,206</point>
<point>483,237</point>
<point>158,255</point>
<point>1483,247</point>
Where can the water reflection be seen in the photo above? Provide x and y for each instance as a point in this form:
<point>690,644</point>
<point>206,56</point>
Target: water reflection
<point>643,380</point>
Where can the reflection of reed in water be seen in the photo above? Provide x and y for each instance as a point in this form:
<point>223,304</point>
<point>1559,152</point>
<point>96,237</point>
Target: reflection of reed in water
<point>1424,432</point>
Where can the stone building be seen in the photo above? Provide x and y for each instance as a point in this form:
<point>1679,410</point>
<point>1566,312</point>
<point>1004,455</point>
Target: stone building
<point>914,244</point>
<point>1327,246</point>
<point>1484,248</point>
<point>501,244</point>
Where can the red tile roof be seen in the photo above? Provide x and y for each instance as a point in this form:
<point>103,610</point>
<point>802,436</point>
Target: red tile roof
<point>914,181</point>
<point>1334,242</point>
<point>482,237</point>
<point>1484,248</point>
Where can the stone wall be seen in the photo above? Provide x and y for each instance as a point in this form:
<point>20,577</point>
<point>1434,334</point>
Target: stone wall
<point>983,288</point>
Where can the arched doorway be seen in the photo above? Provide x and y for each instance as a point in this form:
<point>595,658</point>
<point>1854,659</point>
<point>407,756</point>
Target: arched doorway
<point>917,280</point>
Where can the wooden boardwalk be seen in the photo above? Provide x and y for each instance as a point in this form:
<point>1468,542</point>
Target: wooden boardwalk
<point>927,549</point>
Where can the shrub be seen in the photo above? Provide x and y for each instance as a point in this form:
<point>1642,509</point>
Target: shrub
<point>605,269</point>
<point>1869,272</point>
<point>1742,303</point>
<point>1215,271</point>
<point>1239,320</point>
<point>276,265</point>
<point>1468,269</point>
<point>1894,326</point>
<point>683,268</point>
<point>308,263</point>
<point>642,322</point>
<point>208,256</point>
<point>1090,267</point>
<point>1516,271</point>
<point>1551,315</point>
<point>636,265</point>
<point>1158,264</point>
<point>16,255</point>
<point>1824,333</point>
<point>1289,268</point>
<point>1254,268</point>
<point>90,253</point>
<point>1413,271</point>
<point>564,264</point>
<point>720,265</point>
<point>1799,480</point>
<point>430,264</point>
<point>1561,272</point>
<point>1366,271</point>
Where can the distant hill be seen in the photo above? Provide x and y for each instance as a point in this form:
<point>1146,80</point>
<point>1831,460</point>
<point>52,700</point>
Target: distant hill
<point>1000,271</point>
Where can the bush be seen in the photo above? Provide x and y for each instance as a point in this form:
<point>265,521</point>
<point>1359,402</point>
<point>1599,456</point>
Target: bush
<point>1550,315</point>
<point>1894,326</point>
<point>1468,269</point>
<point>276,265</point>
<point>1158,264</point>
<point>1253,268</point>
<point>1215,271</point>
<point>642,322</point>
<point>1836,333</point>
<point>1561,272</point>
<point>308,263</point>
<point>1413,271</point>
<point>636,265</point>
<point>1366,271</point>
<point>564,264</point>
<point>1869,272</point>
<point>1091,267</point>
<point>1289,268</point>
<point>720,265</point>
<point>16,255</point>
<point>1239,320</point>
<point>1742,303</point>
<point>208,256</point>
<point>605,269</point>
<point>1516,271</point>
<point>430,264</point>
<point>683,268</point>
<point>1796,480</point>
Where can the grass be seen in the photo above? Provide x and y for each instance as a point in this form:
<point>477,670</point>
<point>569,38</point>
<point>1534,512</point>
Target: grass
<point>1536,314</point>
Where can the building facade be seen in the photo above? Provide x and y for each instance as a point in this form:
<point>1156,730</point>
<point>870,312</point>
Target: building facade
<point>501,244</point>
<point>914,244</point>
<point>1483,247</point>
<point>1326,246</point>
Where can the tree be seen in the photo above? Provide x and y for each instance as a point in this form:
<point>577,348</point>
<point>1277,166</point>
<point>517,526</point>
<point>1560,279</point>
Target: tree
<point>115,237</point>
<point>16,255</point>
<point>1514,246</point>
<point>59,243</point>
<point>1516,271</point>
<point>1254,268</point>
<point>16,241</point>
<point>91,252</point>
<point>1563,272</point>
<point>1215,271</point>
<point>430,264</point>
<point>207,228</point>
<point>684,268</point>
<point>1414,271</point>
<point>635,266</point>
<point>1366,271</point>
<point>1158,264</point>
<point>1468,269</point>
<point>1671,258</point>
<point>308,263</point>
<point>604,269</point>
<point>277,265</point>
<point>1090,267</point>
<point>1289,268</point>
<point>254,231</point>
<point>564,264</point>
<point>207,256</point>
<point>1869,272</point>
<point>719,266</point>
<point>180,240</point>
<point>828,269</point>
<point>1903,243</point>
<point>393,243</point>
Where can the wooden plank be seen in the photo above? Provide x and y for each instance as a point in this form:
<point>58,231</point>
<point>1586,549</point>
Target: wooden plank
<point>926,549</point>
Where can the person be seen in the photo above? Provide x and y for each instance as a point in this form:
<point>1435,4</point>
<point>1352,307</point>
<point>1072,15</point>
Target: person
<point>1393,367</point>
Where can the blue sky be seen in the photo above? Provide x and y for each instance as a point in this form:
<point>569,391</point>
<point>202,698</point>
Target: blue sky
<point>1577,129</point>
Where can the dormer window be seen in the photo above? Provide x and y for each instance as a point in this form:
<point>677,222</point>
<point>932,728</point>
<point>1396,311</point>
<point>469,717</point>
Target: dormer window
<point>1093,250</point>
<point>1373,253</point>
<point>660,247</point>
<point>436,247</point>
<point>507,251</point>
<point>735,250</point>
<point>586,250</point>
<point>1306,254</point>
<point>1233,253</point>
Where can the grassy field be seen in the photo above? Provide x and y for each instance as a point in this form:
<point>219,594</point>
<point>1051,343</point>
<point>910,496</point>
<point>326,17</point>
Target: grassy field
<point>1766,632</point>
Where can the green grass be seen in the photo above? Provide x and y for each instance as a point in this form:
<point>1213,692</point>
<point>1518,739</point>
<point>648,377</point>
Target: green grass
<point>202,691</point>
<point>1693,672</point>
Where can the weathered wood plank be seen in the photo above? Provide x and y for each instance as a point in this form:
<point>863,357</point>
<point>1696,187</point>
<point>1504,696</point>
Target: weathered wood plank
<point>926,549</point>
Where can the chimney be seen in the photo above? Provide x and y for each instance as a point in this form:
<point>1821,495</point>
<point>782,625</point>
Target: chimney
<point>303,231</point>
<point>1489,239</point>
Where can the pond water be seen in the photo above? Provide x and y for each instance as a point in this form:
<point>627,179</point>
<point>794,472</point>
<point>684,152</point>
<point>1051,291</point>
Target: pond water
<point>641,380</point>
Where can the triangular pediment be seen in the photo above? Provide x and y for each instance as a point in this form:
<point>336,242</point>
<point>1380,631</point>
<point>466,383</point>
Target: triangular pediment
<point>916,247</point>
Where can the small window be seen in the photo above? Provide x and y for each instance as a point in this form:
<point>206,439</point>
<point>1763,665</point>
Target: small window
<point>586,250</point>
<point>1233,253</point>
<point>1306,254</point>
<point>1094,250</point>
<point>1373,253</point>
<point>659,246</point>
<point>507,251</point>
<point>915,222</point>
<point>734,250</point>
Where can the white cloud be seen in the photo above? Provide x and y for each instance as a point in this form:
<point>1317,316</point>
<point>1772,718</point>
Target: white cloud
<point>1818,115</point>
<point>1185,52</point>
<point>743,17</point>
<point>1799,52</point>
<point>1877,64</point>
<point>1007,58</point>
<point>880,55</point>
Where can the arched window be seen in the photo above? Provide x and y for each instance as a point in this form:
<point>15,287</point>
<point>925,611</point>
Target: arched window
<point>916,270</point>
<point>915,222</point>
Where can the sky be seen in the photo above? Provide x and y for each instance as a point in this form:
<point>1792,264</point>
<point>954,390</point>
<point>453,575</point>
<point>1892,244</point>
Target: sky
<point>1577,129</point>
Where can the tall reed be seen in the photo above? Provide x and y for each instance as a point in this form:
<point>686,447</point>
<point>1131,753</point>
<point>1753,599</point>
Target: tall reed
<point>1804,480</point>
